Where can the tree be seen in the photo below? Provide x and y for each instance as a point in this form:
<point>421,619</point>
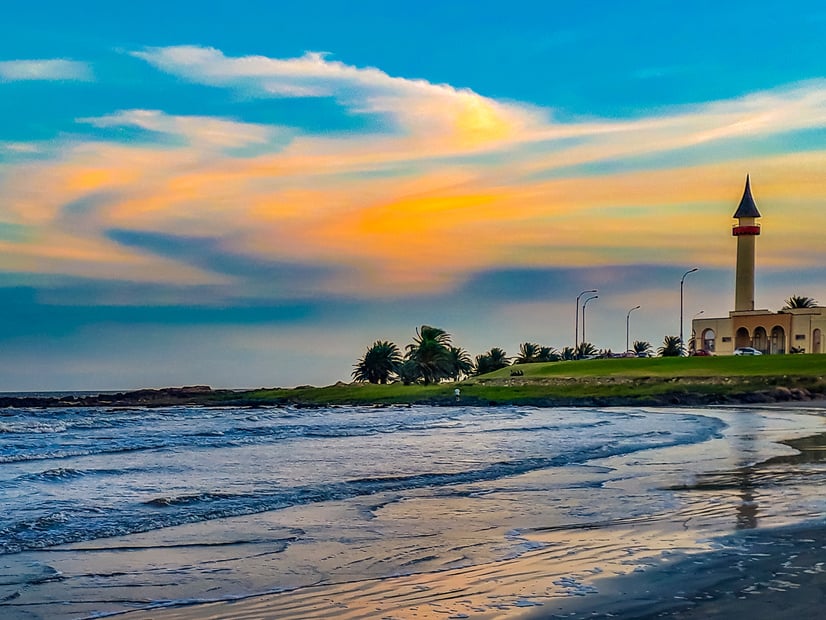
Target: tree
<point>568,353</point>
<point>430,352</point>
<point>671,347</point>
<point>409,372</point>
<point>547,354</point>
<point>585,349</point>
<point>494,359</point>
<point>380,362</point>
<point>528,353</point>
<point>498,358</point>
<point>798,301</point>
<point>460,363</point>
<point>642,347</point>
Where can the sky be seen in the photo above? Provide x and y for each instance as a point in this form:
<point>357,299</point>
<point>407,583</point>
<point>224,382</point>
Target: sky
<point>250,193</point>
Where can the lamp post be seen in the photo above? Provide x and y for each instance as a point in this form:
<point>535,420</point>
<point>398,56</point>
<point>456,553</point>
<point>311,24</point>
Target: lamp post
<point>627,322</point>
<point>585,303</point>
<point>682,281</point>
<point>576,318</point>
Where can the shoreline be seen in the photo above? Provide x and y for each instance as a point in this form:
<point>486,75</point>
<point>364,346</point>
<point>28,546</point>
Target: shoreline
<point>742,526</point>
<point>664,381</point>
<point>482,394</point>
<point>764,573</point>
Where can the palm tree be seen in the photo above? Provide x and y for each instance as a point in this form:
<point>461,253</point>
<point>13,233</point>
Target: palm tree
<point>379,363</point>
<point>494,359</point>
<point>409,372</point>
<point>498,358</point>
<point>481,365</point>
<point>642,347</point>
<point>547,354</point>
<point>798,301</point>
<point>430,352</point>
<point>528,353</point>
<point>585,349</point>
<point>671,347</point>
<point>460,363</point>
<point>568,353</point>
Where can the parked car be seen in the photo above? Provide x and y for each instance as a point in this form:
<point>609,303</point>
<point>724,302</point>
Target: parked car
<point>702,353</point>
<point>747,351</point>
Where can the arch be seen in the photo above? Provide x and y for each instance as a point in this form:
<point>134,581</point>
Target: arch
<point>742,338</point>
<point>709,340</point>
<point>760,340</point>
<point>778,340</point>
<point>816,338</point>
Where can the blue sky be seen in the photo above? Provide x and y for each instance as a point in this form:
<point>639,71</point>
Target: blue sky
<point>248,194</point>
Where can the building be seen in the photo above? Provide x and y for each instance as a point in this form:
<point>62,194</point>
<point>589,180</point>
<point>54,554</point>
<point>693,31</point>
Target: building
<point>786,331</point>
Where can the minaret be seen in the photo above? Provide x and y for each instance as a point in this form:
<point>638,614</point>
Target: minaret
<point>745,230</point>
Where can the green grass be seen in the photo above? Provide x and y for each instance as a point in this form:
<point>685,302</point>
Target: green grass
<point>612,381</point>
<point>728,366</point>
<point>340,394</point>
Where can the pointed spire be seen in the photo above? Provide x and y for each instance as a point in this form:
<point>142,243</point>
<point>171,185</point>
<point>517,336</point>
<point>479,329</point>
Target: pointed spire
<point>747,207</point>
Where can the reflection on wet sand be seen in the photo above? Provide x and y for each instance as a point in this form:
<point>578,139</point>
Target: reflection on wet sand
<point>630,564</point>
<point>630,568</point>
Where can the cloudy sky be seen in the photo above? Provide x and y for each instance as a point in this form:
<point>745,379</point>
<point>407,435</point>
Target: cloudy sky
<point>250,193</point>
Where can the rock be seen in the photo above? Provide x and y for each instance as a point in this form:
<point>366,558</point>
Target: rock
<point>781,393</point>
<point>800,394</point>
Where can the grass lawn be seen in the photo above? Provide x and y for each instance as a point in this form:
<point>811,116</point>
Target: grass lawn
<point>610,381</point>
<point>728,365</point>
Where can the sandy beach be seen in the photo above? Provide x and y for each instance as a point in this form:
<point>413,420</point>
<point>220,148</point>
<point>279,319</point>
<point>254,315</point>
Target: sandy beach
<point>594,573</point>
<point>742,537</point>
<point>774,574</point>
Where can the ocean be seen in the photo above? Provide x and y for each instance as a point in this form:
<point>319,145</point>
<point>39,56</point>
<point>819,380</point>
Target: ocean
<point>110,510</point>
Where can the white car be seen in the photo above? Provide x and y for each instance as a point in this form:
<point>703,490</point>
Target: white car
<point>747,351</point>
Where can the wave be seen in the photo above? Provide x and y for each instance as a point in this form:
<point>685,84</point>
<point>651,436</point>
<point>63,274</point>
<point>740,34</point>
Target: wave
<point>27,427</point>
<point>73,525</point>
<point>64,474</point>
<point>66,454</point>
<point>231,436</point>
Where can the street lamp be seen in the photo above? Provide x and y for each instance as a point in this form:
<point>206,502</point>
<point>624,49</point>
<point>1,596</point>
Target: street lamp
<point>682,281</point>
<point>585,303</point>
<point>576,315</point>
<point>627,321</point>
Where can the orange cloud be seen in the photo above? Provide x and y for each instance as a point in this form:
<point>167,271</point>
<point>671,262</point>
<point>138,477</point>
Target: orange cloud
<point>457,189</point>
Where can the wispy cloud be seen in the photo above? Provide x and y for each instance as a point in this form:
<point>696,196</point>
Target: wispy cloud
<point>44,69</point>
<point>415,106</point>
<point>22,148</point>
<point>200,131</point>
<point>420,207</point>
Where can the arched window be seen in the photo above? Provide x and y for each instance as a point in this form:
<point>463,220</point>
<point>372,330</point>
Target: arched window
<point>778,344</point>
<point>760,340</point>
<point>741,338</point>
<point>708,340</point>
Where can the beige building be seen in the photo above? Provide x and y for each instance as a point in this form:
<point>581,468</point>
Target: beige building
<point>769,332</point>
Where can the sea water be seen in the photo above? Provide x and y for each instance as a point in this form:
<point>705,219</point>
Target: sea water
<point>105,510</point>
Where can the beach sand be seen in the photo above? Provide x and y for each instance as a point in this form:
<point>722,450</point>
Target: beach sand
<point>673,564</point>
<point>767,574</point>
<point>651,568</point>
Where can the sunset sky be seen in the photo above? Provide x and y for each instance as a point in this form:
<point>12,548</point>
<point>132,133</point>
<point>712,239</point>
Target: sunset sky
<point>250,193</point>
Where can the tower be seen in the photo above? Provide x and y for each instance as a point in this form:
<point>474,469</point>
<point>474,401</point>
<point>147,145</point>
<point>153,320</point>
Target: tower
<point>745,230</point>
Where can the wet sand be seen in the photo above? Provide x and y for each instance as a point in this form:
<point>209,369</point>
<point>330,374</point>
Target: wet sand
<point>669,565</point>
<point>766,575</point>
<point>652,568</point>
